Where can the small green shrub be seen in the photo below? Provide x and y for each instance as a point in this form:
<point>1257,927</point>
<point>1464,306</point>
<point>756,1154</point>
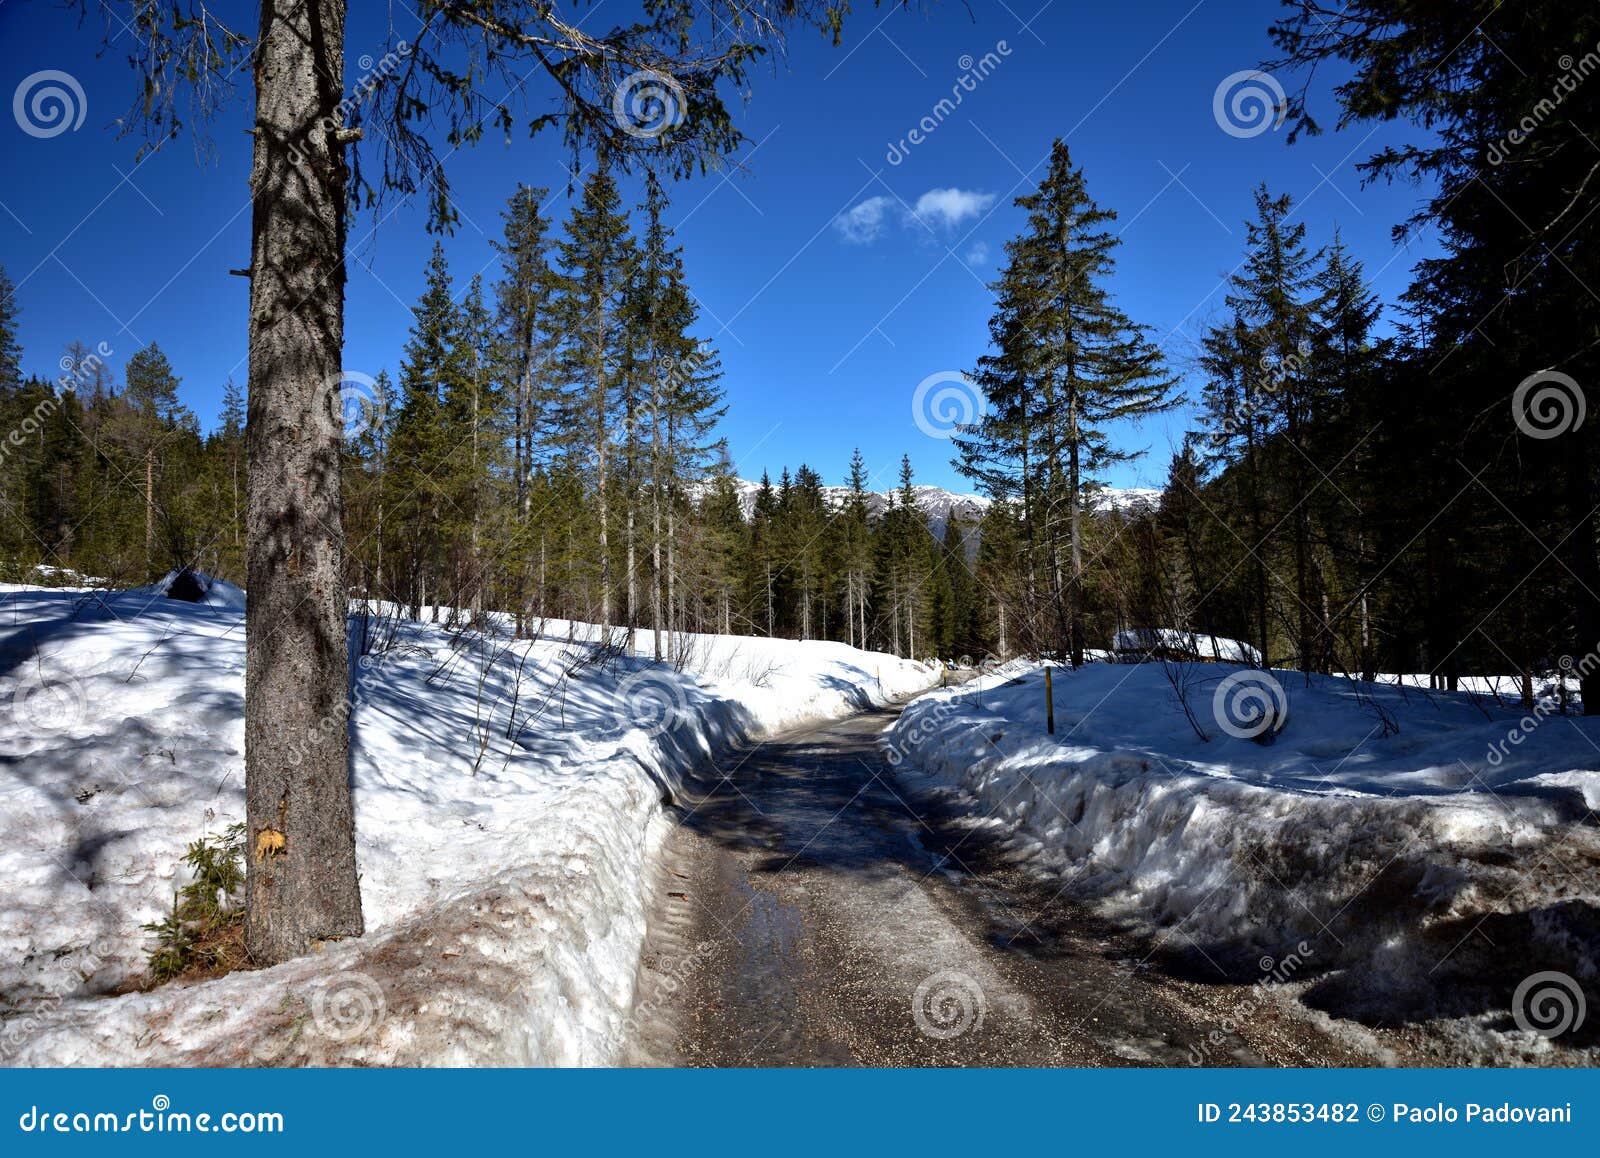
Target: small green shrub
<point>202,933</point>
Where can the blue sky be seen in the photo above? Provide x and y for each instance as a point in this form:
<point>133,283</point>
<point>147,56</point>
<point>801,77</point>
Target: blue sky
<point>833,280</point>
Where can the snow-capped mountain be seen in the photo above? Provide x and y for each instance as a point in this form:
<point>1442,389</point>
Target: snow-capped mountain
<point>938,504</point>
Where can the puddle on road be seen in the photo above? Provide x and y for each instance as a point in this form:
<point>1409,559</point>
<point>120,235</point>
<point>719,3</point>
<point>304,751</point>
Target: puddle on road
<point>766,965</point>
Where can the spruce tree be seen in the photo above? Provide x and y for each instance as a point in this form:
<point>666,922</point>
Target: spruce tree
<point>10,347</point>
<point>598,259</point>
<point>474,409</point>
<point>151,412</point>
<point>427,439</point>
<point>230,439</point>
<point>1067,363</point>
<point>856,523</point>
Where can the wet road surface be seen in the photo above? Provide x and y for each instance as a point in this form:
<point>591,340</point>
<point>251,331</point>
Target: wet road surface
<point>811,913</point>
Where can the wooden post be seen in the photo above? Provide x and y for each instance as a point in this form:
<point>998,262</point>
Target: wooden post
<point>1049,703</point>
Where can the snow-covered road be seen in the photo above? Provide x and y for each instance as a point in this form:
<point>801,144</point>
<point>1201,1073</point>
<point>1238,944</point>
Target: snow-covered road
<point>810,914</point>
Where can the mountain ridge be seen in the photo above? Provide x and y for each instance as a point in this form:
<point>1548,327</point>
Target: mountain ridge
<point>937,504</point>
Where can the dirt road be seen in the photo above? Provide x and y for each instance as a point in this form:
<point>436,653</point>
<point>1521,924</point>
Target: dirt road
<point>812,914</point>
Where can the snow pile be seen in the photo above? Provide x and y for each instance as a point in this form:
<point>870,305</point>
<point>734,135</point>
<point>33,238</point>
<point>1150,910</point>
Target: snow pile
<point>1432,850</point>
<point>508,801</point>
<point>191,586</point>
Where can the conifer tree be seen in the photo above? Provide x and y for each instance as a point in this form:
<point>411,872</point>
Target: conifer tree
<point>427,438</point>
<point>598,259</point>
<point>857,549</point>
<point>684,397</point>
<point>1067,363</point>
<point>527,350</point>
<point>904,567</point>
<point>10,348</point>
<point>152,412</point>
<point>474,464</point>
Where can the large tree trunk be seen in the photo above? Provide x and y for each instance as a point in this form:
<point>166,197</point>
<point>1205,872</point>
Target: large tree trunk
<point>301,885</point>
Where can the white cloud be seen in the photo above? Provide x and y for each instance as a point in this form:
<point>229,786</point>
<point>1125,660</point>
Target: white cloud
<point>935,210</point>
<point>861,224</point>
<point>978,254</point>
<point>948,208</point>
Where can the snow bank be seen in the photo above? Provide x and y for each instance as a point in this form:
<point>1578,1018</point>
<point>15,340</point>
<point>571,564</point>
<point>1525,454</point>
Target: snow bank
<point>508,800</point>
<point>1430,868</point>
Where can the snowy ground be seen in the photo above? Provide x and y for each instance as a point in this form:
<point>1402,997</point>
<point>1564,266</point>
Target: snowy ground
<point>1432,853</point>
<point>508,801</point>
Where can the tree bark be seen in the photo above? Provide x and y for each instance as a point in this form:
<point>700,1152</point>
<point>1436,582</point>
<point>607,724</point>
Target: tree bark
<point>301,884</point>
